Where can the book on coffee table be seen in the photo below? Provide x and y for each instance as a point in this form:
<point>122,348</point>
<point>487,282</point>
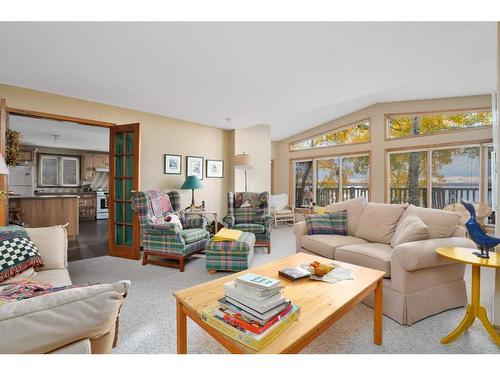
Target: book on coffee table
<point>294,273</point>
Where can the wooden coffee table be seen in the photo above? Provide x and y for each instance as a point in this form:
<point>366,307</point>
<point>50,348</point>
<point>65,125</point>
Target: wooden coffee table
<point>322,304</point>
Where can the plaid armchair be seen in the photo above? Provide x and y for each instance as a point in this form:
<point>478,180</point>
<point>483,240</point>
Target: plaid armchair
<point>249,212</point>
<point>166,239</point>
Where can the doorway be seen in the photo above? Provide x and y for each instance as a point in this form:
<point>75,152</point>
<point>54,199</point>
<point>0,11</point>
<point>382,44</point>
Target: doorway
<point>103,181</point>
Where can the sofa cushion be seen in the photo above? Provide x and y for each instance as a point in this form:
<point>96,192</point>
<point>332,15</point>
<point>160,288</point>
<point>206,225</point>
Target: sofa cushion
<point>354,209</point>
<point>378,221</point>
<point>328,223</point>
<point>371,255</point>
<point>325,244</point>
<point>441,223</point>
<point>68,316</point>
<point>52,244</point>
<point>251,227</point>
<point>410,228</point>
<point>17,252</point>
<point>53,277</point>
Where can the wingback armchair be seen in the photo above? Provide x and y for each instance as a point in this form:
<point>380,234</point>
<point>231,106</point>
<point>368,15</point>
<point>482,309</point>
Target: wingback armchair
<point>167,240</point>
<point>249,212</point>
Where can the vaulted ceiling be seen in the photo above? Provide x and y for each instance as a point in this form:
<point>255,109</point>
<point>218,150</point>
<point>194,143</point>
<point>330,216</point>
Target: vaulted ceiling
<point>292,76</point>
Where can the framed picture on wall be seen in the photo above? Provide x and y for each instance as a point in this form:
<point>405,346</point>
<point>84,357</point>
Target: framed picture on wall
<point>172,164</point>
<point>194,166</point>
<point>215,168</point>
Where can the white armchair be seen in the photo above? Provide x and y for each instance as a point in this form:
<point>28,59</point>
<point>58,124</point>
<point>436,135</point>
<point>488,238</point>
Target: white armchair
<point>280,210</point>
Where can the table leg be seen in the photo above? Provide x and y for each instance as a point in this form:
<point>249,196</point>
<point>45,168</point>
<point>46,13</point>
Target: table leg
<point>181,330</point>
<point>216,225</point>
<point>377,312</point>
<point>474,310</point>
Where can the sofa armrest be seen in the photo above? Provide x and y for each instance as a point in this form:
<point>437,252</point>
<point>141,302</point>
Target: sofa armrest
<point>416,255</point>
<point>300,230</point>
<point>192,222</point>
<point>44,323</point>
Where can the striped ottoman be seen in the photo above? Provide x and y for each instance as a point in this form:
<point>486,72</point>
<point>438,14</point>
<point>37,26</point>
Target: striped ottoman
<point>230,255</point>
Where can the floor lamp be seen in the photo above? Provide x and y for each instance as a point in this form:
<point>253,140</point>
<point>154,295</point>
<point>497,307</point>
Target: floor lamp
<point>243,162</point>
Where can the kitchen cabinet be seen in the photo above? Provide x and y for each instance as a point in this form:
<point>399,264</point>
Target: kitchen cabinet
<point>87,206</point>
<point>91,162</point>
<point>46,211</point>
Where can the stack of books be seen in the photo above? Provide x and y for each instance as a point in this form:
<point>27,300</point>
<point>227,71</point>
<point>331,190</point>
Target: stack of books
<point>253,311</point>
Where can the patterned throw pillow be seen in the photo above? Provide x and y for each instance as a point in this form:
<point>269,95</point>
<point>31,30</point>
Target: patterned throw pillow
<point>330,223</point>
<point>17,252</point>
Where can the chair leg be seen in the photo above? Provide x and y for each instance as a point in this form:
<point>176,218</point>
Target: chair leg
<point>268,247</point>
<point>144,258</point>
<point>181,264</point>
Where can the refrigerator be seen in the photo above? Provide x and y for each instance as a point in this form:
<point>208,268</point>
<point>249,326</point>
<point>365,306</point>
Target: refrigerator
<point>21,180</point>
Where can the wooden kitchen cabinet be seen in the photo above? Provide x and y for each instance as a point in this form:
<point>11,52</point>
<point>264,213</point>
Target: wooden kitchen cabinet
<point>87,206</point>
<point>47,211</point>
<point>91,162</point>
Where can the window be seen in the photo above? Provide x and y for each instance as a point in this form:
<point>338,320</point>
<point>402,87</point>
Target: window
<point>417,124</point>
<point>408,178</point>
<point>435,177</point>
<point>328,177</point>
<point>57,170</point>
<point>357,133</point>
<point>303,178</point>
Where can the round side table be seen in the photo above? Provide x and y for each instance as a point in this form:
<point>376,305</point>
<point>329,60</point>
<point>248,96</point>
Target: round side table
<point>474,308</point>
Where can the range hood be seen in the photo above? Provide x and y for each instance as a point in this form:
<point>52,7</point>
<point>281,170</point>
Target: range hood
<point>106,170</point>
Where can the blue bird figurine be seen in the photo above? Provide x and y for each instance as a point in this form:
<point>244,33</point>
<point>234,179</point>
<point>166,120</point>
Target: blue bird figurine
<point>484,242</point>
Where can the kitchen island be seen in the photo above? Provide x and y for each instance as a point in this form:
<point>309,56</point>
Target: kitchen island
<point>47,210</point>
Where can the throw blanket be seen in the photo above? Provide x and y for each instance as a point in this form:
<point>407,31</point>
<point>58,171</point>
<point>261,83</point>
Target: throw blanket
<point>17,252</point>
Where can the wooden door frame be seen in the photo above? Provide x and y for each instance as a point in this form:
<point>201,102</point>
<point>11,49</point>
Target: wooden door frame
<point>63,118</point>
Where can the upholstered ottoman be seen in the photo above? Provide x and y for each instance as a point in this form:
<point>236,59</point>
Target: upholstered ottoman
<point>230,255</point>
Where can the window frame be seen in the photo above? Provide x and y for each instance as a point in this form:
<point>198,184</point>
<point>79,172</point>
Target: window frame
<point>59,169</point>
<point>448,111</point>
<point>483,149</point>
<point>335,130</point>
<point>314,172</point>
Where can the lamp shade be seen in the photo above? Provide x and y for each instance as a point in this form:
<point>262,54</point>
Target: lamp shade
<point>3,167</point>
<point>242,161</point>
<point>192,182</point>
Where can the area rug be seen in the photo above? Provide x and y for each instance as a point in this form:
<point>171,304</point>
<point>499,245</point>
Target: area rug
<point>147,321</point>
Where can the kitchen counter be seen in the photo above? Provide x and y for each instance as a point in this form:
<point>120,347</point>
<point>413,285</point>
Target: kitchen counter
<point>37,211</point>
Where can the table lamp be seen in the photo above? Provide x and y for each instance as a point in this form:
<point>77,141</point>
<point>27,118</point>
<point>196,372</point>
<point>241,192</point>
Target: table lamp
<point>243,162</point>
<point>192,182</point>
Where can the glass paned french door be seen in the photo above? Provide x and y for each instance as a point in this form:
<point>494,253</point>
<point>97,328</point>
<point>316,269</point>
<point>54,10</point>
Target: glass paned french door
<point>124,225</point>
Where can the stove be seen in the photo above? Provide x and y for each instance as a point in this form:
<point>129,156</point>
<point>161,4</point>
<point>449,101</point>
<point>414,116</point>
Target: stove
<point>101,211</point>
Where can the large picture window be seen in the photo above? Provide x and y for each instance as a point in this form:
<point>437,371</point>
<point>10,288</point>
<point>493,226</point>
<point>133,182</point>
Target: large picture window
<point>351,134</point>
<point>407,125</point>
<point>435,177</point>
<point>331,180</point>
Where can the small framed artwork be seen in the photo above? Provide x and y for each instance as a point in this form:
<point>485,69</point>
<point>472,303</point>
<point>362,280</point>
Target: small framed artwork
<point>215,168</point>
<point>194,166</point>
<point>172,164</point>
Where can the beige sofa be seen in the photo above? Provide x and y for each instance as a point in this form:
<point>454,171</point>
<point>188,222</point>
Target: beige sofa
<point>418,282</point>
<point>79,320</point>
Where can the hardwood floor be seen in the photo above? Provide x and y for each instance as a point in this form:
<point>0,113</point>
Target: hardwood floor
<point>91,242</point>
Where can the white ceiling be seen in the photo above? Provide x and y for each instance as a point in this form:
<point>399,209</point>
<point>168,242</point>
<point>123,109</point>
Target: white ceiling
<point>40,132</point>
<point>291,76</point>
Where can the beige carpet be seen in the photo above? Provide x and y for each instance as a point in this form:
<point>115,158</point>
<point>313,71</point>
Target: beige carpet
<point>148,316</point>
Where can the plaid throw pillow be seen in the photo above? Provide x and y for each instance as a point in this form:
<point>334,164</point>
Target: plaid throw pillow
<point>17,252</point>
<point>330,223</point>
